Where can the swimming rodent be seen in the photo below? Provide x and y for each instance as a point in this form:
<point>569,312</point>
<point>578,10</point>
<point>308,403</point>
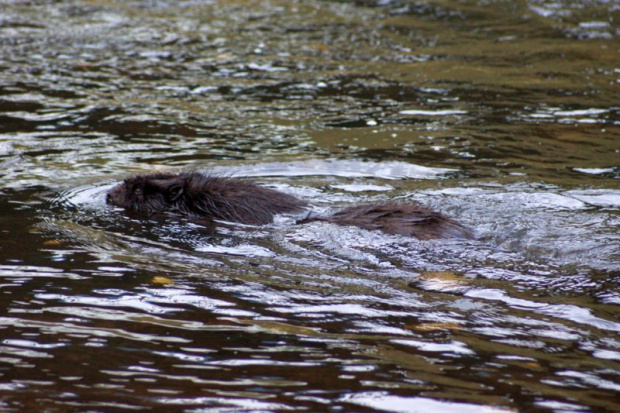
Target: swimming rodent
<point>198,195</point>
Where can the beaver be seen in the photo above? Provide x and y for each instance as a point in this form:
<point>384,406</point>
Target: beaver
<point>198,195</point>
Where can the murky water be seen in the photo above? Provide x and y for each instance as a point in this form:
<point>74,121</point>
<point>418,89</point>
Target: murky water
<point>504,115</point>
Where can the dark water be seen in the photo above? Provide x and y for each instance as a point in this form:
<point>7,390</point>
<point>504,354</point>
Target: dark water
<point>504,115</point>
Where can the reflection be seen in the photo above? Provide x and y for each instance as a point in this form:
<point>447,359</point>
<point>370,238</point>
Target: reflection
<point>505,117</point>
<point>445,112</point>
<point>29,272</point>
<point>69,328</point>
<point>249,404</point>
<point>345,169</point>
<point>384,401</point>
<point>545,113</point>
<point>564,311</point>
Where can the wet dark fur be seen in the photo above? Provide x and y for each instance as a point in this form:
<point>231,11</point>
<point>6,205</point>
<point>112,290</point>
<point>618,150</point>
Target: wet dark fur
<point>197,195</point>
<point>202,196</point>
<point>401,219</point>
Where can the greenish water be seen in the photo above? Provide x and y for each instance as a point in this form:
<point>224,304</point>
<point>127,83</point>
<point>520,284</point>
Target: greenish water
<point>503,114</point>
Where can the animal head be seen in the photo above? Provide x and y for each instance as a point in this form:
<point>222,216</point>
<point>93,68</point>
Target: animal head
<point>148,193</point>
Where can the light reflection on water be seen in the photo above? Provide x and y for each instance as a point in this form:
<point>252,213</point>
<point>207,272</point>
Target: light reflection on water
<point>315,282</point>
<point>504,117</point>
<point>386,402</point>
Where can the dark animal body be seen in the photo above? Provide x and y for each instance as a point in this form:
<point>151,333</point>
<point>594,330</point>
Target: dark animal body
<point>401,219</point>
<point>197,195</point>
<point>202,196</point>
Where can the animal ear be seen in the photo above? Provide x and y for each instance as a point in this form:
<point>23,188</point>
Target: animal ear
<point>172,188</point>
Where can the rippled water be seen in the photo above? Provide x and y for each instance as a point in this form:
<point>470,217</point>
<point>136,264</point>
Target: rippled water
<point>504,115</point>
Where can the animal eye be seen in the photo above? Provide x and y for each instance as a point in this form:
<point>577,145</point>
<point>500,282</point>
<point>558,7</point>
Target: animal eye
<point>137,191</point>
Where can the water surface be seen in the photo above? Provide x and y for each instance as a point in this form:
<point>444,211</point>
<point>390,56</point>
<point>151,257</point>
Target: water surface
<point>504,115</point>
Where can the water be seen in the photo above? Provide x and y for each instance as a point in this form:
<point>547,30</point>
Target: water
<point>504,115</point>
